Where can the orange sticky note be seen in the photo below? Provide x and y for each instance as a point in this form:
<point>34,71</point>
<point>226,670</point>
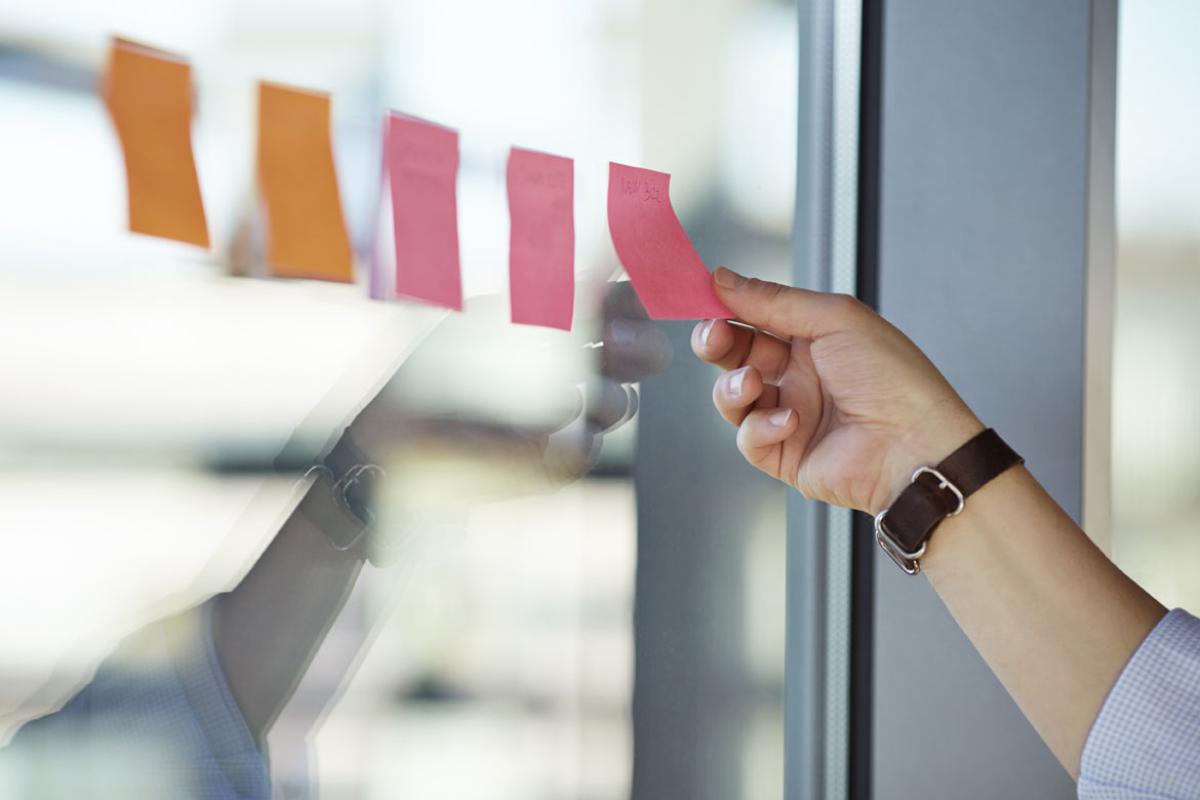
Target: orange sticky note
<point>149,97</point>
<point>306,230</point>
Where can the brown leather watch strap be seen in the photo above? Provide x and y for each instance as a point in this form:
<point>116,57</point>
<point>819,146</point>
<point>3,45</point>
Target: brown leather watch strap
<point>939,492</point>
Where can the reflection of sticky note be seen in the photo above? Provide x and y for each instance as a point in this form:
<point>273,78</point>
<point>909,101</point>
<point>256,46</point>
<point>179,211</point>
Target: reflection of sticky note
<point>667,273</point>
<point>541,254</point>
<point>306,231</point>
<point>422,165</point>
<point>149,96</point>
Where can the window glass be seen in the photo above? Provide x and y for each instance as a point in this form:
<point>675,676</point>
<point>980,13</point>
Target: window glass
<point>1156,419</point>
<point>576,587</point>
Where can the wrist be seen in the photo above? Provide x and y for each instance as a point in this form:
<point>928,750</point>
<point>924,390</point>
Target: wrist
<point>950,550</point>
<point>348,452</point>
<point>925,444</point>
<point>343,532</point>
<point>937,491</point>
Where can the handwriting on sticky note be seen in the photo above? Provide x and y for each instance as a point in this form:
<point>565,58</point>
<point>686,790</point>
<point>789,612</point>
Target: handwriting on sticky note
<point>541,253</point>
<point>306,229</point>
<point>667,273</point>
<point>149,97</point>
<point>422,166</point>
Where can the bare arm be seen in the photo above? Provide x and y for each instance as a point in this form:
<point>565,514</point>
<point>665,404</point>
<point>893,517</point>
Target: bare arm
<point>267,630</point>
<point>831,399</point>
<point>1054,618</point>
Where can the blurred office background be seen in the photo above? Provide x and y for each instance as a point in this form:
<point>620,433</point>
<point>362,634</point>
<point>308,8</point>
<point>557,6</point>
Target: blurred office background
<point>622,635</point>
<point>1156,416</point>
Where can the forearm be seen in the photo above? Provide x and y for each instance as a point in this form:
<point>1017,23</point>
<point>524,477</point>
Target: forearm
<point>267,630</point>
<point>1052,616</point>
<point>832,399</point>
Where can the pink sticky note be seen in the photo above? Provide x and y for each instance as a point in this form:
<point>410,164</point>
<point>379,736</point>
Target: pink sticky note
<point>422,164</point>
<point>541,250</point>
<point>666,270</point>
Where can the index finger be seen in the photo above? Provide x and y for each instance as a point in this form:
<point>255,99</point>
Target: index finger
<point>730,345</point>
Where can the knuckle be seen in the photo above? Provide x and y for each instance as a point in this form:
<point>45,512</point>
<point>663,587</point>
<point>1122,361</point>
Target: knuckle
<point>774,297</point>
<point>849,311</point>
<point>845,304</point>
<point>771,292</point>
<point>770,287</point>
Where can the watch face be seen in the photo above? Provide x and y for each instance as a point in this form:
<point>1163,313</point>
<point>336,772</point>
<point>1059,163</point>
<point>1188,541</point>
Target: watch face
<point>325,509</point>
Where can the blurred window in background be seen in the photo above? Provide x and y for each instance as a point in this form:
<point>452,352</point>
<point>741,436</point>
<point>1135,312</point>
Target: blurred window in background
<point>146,392</point>
<point>1156,370</point>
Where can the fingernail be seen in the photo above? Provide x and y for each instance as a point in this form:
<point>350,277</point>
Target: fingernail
<point>705,330</point>
<point>622,332</point>
<point>728,278</point>
<point>736,379</point>
<point>780,418</point>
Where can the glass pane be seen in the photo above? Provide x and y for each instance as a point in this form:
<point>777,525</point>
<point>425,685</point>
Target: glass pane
<point>1156,419</point>
<point>574,586</point>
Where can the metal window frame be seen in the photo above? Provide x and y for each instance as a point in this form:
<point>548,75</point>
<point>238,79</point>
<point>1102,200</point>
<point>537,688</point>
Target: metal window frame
<point>823,665</point>
<point>832,581</point>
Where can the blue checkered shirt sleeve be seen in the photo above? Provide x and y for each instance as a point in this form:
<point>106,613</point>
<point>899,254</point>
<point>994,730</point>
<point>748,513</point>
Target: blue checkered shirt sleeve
<point>1145,743</point>
<point>165,725</point>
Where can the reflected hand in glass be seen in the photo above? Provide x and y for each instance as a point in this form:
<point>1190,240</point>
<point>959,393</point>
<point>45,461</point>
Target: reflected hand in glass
<point>486,409</point>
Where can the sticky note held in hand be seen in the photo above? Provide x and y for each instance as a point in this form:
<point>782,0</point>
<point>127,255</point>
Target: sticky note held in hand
<point>667,273</point>
<point>541,254</point>
<point>148,93</point>
<point>422,166</point>
<point>306,229</point>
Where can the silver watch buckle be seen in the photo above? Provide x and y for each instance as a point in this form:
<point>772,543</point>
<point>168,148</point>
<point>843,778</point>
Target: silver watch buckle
<point>943,483</point>
<point>910,562</point>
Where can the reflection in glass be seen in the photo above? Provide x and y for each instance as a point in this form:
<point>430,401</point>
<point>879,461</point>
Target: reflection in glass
<point>562,602</point>
<point>1156,419</point>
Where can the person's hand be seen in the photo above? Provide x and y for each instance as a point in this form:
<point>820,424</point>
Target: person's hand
<point>631,347</point>
<point>528,406</point>
<point>827,396</point>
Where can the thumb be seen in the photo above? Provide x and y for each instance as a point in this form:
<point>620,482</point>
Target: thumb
<point>784,310</point>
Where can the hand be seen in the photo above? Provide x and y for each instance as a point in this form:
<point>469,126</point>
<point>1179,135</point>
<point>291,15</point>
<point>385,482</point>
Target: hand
<point>633,348</point>
<point>827,396</point>
<point>528,406</point>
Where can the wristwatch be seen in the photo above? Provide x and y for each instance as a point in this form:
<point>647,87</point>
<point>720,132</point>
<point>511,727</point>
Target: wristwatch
<point>343,493</point>
<point>341,508</point>
<point>936,493</point>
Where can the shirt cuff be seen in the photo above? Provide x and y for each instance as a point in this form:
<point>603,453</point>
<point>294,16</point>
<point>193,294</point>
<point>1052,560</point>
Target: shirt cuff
<point>233,754</point>
<point>1145,742</point>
